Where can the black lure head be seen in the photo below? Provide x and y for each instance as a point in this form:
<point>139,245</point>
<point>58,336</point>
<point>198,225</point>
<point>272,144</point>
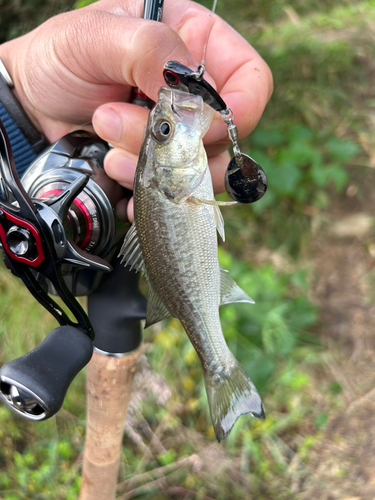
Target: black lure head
<point>180,77</point>
<point>245,180</point>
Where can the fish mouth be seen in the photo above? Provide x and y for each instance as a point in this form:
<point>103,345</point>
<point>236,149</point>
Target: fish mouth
<point>180,101</point>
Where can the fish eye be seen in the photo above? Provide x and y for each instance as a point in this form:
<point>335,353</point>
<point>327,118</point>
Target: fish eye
<point>162,130</point>
<point>165,128</point>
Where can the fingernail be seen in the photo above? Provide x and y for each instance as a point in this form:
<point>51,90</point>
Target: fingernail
<point>108,124</point>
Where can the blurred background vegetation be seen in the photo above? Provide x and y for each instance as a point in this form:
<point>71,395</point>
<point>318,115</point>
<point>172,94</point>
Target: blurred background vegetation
<point>315,142</point>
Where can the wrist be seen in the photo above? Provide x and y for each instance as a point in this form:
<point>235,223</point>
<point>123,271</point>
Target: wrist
<point>9,54</point>
<point>12,54</point>
<point>25,138</point>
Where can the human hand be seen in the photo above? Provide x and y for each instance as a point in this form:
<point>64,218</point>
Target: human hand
<point>82,60</point>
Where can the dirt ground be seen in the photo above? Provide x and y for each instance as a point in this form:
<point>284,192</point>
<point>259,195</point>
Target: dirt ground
<point>342,465</point>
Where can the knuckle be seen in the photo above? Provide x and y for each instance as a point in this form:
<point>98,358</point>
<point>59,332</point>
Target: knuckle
<point>85,27</point>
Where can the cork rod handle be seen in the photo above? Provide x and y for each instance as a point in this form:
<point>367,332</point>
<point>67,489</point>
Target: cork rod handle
<point>109,384</point>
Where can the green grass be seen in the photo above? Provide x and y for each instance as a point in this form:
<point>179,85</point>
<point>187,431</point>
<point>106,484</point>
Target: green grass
<point>36,461</point>
<point>272,341</point>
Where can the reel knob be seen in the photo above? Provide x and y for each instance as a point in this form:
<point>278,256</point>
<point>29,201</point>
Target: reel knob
<point>19,240</point>
<point>35,384</point>
<point>21,400</point>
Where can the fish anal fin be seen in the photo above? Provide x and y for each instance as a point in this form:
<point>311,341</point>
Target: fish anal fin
<point>156,309</point>
<point>230,396</point>
<point>230,291</point>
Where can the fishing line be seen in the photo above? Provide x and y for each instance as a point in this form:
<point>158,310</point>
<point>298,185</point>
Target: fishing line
<point>245,180</point>
<point>208,33</point>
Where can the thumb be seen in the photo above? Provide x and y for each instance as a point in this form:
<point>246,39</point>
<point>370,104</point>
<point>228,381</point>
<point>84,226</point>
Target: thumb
<point>78,60</point>
<point>125,50</point>
<point>103,47</point>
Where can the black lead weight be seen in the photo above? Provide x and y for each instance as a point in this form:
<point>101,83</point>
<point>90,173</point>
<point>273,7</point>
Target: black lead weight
<point>245,180</point>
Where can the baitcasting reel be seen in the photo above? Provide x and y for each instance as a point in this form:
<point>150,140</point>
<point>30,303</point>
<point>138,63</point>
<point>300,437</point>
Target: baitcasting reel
<point>58,231</point>
<point>89,221</point>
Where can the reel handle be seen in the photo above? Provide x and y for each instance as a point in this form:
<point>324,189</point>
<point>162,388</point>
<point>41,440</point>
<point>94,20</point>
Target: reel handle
<point>35,384</point>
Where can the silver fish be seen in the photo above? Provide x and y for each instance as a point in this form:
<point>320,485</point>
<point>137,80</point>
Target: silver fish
<point>173,242</point>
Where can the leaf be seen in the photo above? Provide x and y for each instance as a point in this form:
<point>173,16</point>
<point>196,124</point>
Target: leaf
<point>335,388</point>
<point>300,133</point>
<point>260,369</point>
<point>276,336</point>
<point>83,3</point>
<point>267,137</point>
<point>300,153</point>
<point>299,381</point>
<point>341,150</point>
<point>339,177</point>
<point>167,458</point>
<point>285,178</point>
<point>319,174</point>
<point>321,419</point>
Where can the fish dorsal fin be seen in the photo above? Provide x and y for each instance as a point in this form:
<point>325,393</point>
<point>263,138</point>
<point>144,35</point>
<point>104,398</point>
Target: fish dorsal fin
<point>219,221</point>
<point>156,309</point>
<point>131,252</point>
<point>230,291</point>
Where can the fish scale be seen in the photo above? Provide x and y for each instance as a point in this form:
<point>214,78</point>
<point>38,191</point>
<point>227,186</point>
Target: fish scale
<point>174,233</point>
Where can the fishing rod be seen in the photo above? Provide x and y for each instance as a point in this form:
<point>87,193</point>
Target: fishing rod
<point>111,370</point>
<point>60,235</point>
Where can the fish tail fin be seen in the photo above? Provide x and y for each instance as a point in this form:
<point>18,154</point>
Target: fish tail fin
<point>231,395</point>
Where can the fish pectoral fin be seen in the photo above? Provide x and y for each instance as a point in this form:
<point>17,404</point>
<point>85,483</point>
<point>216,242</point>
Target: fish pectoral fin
<point>219,221</point>
<point>131,252</point>
<point>231,395</point>
<point>230,291</point>
<point>212,202</point>
<point>156,309</point>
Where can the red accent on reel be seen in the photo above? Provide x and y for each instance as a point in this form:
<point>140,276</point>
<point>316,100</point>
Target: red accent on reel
<point>82,208</point>
<point>22,223</point>
<point>88,221</point>
<point>139,93</point>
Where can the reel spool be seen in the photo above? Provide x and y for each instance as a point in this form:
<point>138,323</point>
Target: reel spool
<point>90,221</point>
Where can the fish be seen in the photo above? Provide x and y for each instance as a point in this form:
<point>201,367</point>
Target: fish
<point>173,242</point>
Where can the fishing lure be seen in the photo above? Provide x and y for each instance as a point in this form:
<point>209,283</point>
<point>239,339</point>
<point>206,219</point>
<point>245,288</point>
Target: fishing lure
<point>245,180</point>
